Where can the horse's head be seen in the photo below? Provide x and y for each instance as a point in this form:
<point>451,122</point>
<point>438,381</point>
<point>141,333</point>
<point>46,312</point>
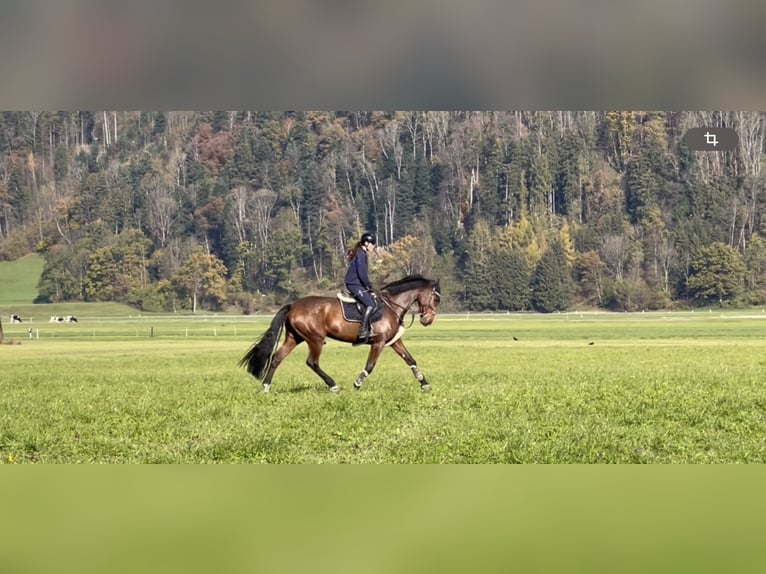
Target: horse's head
<point>402,294</point>
<point>428,300</point>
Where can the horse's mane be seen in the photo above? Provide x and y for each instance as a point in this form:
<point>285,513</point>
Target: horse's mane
<point>405,284</point>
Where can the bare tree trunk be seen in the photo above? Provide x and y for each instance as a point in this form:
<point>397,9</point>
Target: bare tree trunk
<point>107,140</point>
<point>239,196</point>
<point>163,209</point>
<point>369,173</point>
<point>262,205</point>
<point>752,132</point>
<point>413,123</point>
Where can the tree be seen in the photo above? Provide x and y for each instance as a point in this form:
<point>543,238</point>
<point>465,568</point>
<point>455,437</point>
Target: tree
<point>410,255</point>
<point>478,283</point>
<point>59,280</point>
<point>100,277</point>
<point>117,272</point>
<point>202,279</point>
<point>552,284</point>
<point>717,274</point>
<point>280,257</point>
<point>755,262</point>
<point>590,273</point>
<point>511,280</point>
<point>162,209</point>
<point>479,290</point>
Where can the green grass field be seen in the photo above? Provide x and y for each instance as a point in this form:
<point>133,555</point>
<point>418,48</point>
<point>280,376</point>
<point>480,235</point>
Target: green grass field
<point>651,388</point>
<point>18,280</point>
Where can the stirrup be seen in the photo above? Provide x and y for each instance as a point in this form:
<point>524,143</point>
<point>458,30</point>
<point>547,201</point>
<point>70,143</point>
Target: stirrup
<point>363,340</point>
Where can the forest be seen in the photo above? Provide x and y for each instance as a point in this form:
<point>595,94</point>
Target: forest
<point>510,210</point>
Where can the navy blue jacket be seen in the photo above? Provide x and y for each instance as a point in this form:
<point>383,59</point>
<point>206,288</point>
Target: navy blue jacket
<point>356,276</point>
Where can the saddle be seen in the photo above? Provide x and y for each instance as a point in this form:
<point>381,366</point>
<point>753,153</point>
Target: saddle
<point>353,310</point>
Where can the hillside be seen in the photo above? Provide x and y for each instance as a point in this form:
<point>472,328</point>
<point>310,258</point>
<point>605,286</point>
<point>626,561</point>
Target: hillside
<point>511,210</point>
<point>18,280</point>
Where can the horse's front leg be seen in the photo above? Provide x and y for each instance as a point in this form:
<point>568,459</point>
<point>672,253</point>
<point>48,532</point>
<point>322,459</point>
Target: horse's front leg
<point>402,351</point>
<point>375,350</point>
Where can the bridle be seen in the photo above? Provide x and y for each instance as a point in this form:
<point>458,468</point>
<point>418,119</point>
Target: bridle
<point>428,309</point>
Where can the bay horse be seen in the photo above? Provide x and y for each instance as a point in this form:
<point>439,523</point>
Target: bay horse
<point>313,319</point>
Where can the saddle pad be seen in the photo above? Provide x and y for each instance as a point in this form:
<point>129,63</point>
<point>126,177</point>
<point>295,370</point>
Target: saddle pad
<point>353,314</point>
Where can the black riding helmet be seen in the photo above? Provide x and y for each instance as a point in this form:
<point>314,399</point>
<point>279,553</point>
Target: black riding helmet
<point>367,238</point>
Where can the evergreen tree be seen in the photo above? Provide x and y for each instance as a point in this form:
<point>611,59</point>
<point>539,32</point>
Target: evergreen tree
<point>478,274</point>
<point>567,183</point>
<point>511,280</point>
<point>552,284</point>
<point>479,289</point>
<point>160,124</point>
<point>717,274</point>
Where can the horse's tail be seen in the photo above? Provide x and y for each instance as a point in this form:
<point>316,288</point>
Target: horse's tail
<point>258,358</point>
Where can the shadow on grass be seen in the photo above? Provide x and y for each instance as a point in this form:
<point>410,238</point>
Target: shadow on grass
<point>304,388</point>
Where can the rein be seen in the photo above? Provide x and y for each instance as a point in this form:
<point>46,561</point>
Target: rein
<point>392,304</point>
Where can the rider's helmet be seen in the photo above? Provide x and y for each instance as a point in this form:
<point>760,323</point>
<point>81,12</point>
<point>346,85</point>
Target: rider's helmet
<point>367,238</point>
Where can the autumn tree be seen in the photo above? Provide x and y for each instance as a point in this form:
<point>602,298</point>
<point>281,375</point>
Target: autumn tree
<point>410,255</point>
<point>202,279</point>
<point>117,272</point>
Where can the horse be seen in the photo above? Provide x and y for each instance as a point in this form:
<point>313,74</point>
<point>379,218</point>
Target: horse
<point>313,319</point>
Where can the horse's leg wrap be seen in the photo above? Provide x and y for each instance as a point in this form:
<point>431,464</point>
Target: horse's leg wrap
<point>421,379</point>
<point>360,379</point>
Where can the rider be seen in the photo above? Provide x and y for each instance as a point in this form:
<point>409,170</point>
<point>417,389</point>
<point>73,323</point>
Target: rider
<point>358,281</point>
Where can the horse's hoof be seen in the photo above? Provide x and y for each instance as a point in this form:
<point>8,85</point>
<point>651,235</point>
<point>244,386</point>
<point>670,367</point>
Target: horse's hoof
<point>266,388</point>
<point>335,389</point>
<point>426,388</point>
<point>357,387</point>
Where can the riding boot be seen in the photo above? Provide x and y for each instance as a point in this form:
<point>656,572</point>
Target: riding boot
<point>364,330</point>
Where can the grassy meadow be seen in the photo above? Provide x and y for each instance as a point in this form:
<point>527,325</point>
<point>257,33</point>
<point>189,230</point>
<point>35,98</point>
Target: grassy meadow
<point>18,280</point>
<point>570,388</point>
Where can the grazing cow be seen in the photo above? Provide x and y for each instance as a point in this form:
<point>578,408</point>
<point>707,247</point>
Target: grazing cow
<point>67,319</point>
<point>16,319</point>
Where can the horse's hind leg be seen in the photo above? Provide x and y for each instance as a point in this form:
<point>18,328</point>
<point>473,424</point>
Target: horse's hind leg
<point>372,358</point>
<point>290,343</point>
<point>315,349</point>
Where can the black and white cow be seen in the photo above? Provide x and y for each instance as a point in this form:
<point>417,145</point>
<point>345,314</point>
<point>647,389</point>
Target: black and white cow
<point>67,319</point>
<point>16,319</point>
